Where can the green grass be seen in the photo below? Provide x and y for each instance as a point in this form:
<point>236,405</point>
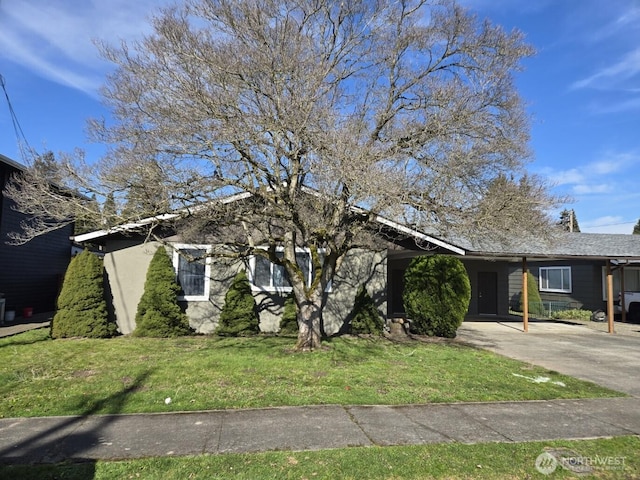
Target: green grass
<point>442,461</point>
<point>40,376</point>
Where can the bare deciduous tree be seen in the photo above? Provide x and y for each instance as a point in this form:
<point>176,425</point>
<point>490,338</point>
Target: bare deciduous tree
<point>405,108</point>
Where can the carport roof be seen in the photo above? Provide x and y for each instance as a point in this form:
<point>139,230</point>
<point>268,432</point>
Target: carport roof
<point>560,245</point>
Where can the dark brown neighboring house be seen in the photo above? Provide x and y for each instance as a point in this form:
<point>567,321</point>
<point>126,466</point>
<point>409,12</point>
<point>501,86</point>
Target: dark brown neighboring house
<point>30,274</point>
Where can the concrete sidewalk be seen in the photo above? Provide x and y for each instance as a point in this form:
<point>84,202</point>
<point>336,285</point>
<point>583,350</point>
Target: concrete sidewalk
<point>110,437</point>
<point>21,324</point>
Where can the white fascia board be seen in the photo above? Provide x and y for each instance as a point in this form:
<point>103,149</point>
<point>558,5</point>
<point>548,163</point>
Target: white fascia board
<point>85,237</point>
<point>413,233</point>
<point>420,235</point>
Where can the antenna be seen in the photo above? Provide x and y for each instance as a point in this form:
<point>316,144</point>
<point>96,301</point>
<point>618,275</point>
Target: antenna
<point>21,139</point>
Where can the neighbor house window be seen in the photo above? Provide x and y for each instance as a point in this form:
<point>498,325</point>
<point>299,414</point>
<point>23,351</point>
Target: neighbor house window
<point>555,279</point>
<point>269,276</point>
<point>193,271</point>
<point>631,281</point>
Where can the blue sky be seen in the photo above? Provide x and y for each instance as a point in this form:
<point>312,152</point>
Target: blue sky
<point>582,88</point>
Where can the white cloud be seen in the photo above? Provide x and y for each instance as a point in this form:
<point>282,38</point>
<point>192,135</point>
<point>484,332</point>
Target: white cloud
<point>598,176</point>
<point>592,189</point>
<point>627,67</point>
<point>55,39</point>
<point>627,19</point>
<point>607,224</point>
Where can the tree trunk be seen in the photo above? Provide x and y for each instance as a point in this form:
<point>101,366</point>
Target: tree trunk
<point>309,323</point>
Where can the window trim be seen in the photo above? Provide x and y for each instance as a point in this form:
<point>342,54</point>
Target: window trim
<point>271,288</point>
<point>207,270</point>
<point>555,290</point>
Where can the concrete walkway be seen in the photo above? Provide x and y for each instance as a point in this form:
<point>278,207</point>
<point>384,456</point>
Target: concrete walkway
<point>20,324</point>
<point>109,437</point>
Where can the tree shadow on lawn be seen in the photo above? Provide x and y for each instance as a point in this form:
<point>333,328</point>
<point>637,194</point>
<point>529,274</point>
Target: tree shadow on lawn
<point>54,440</point>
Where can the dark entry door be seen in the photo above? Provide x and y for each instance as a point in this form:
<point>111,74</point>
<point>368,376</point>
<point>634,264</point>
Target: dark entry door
<point>488,293</point>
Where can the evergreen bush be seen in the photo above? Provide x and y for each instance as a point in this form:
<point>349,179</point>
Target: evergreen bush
<point>289,320</point>
<point>239,316</point>
<point>436,295</point>
<point>533,294</point>
<point>159,314</point>
<point>365,318</point>
<point>81,307</point>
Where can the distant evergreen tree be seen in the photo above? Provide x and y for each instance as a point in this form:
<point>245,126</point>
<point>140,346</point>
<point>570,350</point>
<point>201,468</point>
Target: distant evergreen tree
<point>82,309</point>
<point>636,228</point>
<point>159,314</point>
<point>109,212</point>
<point>366,318</point>
<point>46,165</point>
<point>85,220</point>
<point>146,194</point>
<point>568,221</point>
<point>239,316</point>
<point>289,320</point>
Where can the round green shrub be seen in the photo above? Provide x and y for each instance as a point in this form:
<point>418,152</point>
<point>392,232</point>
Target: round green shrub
<point>365,318</point>
<point>533,297</point>
<point>81,307</point>
<point>159,314</point>
<point>239,316</point>
<point>436,295</point>
<point>289,320</point>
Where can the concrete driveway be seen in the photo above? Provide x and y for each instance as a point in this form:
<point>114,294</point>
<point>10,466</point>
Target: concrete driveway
<point>612,361</point>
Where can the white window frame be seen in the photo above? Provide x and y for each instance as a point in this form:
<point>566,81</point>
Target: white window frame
<point>277,289</point>
<point>207,270</point>
<point>555,290</point>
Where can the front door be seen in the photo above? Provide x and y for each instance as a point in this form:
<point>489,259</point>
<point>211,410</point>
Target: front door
<point>488,293</point>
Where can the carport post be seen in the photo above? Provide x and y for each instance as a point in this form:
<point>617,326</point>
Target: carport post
<point>610,296</point>
<point>525,296</point>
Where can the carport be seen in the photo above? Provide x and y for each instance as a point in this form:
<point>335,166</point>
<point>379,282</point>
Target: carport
<point>611,251</point>
<point>486,260</point>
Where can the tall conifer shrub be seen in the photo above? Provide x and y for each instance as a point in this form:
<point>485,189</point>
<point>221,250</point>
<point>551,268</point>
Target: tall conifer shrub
<point>159,314</point>
<point>81,307</point>
<point>533,294</point>
<point>289,320</point>
<point>239,316</point>
<point>365,316</point>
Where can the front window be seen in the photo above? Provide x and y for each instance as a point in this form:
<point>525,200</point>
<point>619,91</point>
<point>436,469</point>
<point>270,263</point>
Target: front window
<point>269,276</point>
<point>555,279</point>
<point>193,271</point>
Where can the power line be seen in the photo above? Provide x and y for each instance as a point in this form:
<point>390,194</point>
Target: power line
<point>23,143</point>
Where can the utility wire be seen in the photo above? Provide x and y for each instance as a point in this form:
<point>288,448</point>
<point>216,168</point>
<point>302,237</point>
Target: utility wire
<point>21,138</point>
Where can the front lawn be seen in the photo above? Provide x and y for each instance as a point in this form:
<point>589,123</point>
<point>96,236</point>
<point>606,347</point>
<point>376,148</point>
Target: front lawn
<point>614,458</point>
<point>40,376</point>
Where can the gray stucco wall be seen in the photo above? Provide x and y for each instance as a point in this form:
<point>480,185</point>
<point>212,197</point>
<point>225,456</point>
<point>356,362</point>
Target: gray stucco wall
<point>126,268</point>
<point>126,263</point>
